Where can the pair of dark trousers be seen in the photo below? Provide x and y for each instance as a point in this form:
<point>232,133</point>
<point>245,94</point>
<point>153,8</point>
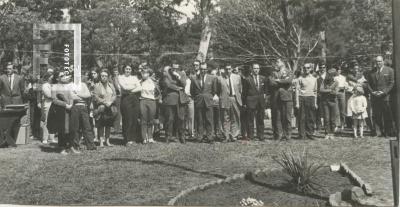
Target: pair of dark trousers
<point>117,121</point>
<point>217,121</point>
<point>319,114</point>
<point>175,119</point>
<point>130,111</point>
<point>383,116</point>
<point>80,121</point>
<point>147,116</point>
<point>230,119</point>
<point>330,114</point>
<point>64,140</point>
<point>341,104</point>
<point>307,116</point>
<point>258,114</point>
<point>243,120</point>
<point>204,119</point>
<point>282,119</point>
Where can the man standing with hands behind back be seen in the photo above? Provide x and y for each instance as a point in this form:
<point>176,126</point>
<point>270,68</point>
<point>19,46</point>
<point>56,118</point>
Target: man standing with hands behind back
<point>380,84</point>
<point>254,93</point>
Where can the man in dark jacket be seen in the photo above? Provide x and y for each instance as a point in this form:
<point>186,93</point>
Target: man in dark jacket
<point>172,85</point>
<point>280,87</point>
<point>380,85</point>
<point>204,90</point>
<point>254,93</point>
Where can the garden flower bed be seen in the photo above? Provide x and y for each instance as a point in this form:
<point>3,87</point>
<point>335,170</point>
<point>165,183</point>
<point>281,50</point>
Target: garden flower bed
<point>270,187</point>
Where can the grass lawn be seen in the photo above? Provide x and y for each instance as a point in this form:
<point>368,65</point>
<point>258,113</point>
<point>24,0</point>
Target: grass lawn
<point>153,174</point>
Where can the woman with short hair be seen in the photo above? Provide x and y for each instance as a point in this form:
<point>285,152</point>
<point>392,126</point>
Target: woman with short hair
<point>148,98</point>
<point>104,107</point>
<point>130,108</point>
<point>59,112</point>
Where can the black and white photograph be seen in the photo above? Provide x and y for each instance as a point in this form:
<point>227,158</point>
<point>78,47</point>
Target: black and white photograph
<point>278,103</point>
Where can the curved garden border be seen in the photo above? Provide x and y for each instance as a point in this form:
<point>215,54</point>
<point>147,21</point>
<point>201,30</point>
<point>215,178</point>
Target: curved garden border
<point>334,199</point>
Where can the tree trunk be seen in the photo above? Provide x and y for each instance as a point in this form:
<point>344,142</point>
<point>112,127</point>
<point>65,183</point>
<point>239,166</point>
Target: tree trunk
<point>285,15</point>
<point>323,46</point>
<point>3,52</point>
<point>205,38</point>
<point>16,55</point>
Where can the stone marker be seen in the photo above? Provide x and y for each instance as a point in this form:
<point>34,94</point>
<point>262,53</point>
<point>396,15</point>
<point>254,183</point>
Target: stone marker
<point>367,189</point>
<point>357,194</point>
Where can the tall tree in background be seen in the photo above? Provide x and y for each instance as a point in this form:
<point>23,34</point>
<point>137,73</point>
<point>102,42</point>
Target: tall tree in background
<point>267,30</point>
<point>205,8</point>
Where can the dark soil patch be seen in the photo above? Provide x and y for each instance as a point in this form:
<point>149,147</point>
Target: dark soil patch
<point>271,188</point>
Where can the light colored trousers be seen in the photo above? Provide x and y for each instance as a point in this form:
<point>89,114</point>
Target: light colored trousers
<point>230,119</point>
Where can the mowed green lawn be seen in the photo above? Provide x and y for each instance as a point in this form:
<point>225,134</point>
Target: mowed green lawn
<point>153,174</point>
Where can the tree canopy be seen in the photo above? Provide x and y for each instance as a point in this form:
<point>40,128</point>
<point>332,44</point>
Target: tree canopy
<point>117,32</point>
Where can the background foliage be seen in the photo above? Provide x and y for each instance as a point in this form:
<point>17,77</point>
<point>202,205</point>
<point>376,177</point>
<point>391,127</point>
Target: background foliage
<point>121,32</point>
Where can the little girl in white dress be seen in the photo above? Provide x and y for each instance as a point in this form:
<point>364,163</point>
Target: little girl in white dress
<point>357,109</point>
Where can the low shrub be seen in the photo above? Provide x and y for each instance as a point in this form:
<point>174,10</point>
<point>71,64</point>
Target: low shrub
<point>301,171</point>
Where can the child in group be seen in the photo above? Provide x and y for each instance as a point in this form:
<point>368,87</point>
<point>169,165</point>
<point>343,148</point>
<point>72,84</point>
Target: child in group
<point>357,109</point>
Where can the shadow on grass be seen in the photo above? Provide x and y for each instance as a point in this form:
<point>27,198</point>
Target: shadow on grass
<point>287,188</point>
<point>158,162</point>
<point>50,149</point>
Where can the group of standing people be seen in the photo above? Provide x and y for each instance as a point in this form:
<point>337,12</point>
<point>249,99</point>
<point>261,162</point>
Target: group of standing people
<point>206,103</point>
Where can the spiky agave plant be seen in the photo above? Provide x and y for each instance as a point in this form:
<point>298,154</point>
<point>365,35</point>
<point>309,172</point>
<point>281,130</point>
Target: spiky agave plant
<point>301,170</point>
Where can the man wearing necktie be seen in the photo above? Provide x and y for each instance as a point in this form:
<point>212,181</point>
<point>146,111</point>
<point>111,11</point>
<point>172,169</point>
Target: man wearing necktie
<point>254,94</point>
<point>380,85</point>
<point>204,91</point>
<point>230,102</point>
<point>11,87</point>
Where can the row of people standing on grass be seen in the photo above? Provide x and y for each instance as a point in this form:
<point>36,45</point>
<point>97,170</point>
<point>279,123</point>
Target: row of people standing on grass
<point>208,103</point>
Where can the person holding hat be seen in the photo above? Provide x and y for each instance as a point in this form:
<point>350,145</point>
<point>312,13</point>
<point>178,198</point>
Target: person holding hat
<point>357,109</point>
<point>328,91</point>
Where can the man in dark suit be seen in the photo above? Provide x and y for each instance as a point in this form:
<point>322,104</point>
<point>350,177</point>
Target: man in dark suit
<point>380,85</point>
<point>254,93</point>
<point>230,103</point>
<point>204,90</point>
<point>280,87</point>
<point>11,87</point>
<point>172,85</point>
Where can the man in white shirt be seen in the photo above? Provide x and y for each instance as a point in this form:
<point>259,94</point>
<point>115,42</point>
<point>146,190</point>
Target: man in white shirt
<point>341,96</point>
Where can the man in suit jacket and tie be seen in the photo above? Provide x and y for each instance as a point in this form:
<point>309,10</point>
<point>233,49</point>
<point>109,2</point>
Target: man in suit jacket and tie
<point>380,85</point>
<point>11,87</point>
<point>230,103</point>
<point>280,87</point>
<point>254,93</point>
<point>204,90</point>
